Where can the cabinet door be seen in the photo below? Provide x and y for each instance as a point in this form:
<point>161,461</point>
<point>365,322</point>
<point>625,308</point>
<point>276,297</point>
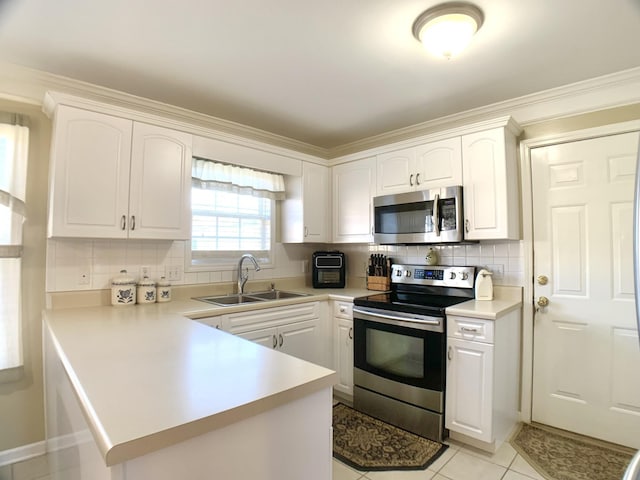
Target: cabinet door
<point>90,155</point>
<point>396,172</point>
<point>315,203</point>
<point>160,198</point>
<point>267,337</point>
<point>490,184</point>
<point>343,355</point>
<point>353,190</point>
<point>439,164</point>
<point>301,339</point>
<point>469,399</point>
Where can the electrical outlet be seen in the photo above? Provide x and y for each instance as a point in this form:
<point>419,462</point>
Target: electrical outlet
<point>497,270</point>
<point>173,273</point>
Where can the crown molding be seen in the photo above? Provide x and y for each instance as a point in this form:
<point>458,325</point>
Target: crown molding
<point>31,86</point>
<point>608,91</point>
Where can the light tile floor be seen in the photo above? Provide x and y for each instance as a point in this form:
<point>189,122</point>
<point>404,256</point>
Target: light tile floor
<point>458,462</point>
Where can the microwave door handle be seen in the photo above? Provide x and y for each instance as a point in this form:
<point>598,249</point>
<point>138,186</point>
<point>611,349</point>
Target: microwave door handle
<point>436,215</point>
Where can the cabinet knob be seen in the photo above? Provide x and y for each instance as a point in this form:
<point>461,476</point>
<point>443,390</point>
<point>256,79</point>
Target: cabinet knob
<point>450,354</point>
<point>275,341</point>
<point>411,180</point>
<point>351,333</point>
<point>343,309</point>
<point>123,222</point>
<point>417,179</point>
<point>281,340</point>
<point>133,222</point>
<point>466,226</point>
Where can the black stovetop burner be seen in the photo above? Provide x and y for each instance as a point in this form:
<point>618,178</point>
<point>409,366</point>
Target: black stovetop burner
<point>410,302</point>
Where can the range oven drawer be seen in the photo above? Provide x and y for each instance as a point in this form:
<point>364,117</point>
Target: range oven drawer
<point>474,329</point>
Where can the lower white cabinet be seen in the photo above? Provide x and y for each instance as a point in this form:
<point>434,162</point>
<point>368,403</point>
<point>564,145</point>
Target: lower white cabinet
<point>343,346</point>
<point>482,394</point>
<point>293,329</point>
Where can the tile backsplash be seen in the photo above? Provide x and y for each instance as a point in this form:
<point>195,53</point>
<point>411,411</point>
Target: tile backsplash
<point>81,264</point>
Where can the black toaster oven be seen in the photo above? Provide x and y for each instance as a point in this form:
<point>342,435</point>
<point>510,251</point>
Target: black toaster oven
<point>329,270</point>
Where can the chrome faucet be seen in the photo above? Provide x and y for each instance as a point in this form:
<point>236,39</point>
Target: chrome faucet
<point>242,278</point>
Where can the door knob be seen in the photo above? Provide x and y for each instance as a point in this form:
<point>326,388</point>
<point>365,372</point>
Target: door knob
<point>542,279</point>
<point>543,301</point>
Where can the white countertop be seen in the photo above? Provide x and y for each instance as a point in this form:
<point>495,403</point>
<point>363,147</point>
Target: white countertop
<point>148,377</point>
<point>506,300</point>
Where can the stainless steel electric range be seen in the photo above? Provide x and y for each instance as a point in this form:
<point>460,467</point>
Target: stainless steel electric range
<point>400,346</point>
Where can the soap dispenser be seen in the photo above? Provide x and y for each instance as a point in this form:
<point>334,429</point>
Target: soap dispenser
<point>484,285</point>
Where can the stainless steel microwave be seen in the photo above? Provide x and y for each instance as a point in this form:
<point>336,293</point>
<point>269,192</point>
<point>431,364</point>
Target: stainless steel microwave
<point>423,216</point>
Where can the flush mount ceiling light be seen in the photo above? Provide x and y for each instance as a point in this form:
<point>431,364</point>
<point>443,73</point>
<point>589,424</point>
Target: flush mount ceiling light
<point>447,29</point>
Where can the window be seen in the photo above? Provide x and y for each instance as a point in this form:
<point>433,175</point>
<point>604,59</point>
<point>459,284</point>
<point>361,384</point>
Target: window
<point>14,141</point>
<point>232,213</point>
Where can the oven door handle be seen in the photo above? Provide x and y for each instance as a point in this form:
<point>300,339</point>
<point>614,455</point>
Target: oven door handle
<point>393,320</point>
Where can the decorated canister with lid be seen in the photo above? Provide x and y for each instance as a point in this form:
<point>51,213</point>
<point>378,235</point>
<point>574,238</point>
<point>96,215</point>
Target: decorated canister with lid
<point>163,290</point>
<point>146,290</point>
<point>123,289</point>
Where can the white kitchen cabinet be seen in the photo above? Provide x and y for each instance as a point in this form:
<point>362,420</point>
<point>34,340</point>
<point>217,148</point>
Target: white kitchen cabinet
<point>305,209</point>
<point>354,186</point>
<point>432,165</point>
<point>115,178</point>
<point>491,184</point>
<point>482,379</point>
<point>213,322</point>
<point>343,346</point>
<point>292,329</point>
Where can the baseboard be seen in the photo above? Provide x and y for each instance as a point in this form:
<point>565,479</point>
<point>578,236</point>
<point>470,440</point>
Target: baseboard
<point>24,452</point>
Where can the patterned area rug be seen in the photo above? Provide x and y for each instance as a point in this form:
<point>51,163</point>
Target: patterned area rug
<point>559,455</point>
<point>368,444</point>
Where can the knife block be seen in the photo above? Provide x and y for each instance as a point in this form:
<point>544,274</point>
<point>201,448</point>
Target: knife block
<point>378,283</point>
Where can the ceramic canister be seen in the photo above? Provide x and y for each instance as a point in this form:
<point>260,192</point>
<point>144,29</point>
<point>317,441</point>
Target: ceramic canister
<point>146,290</point>
<point>163,290</point>
<point>123,289</point>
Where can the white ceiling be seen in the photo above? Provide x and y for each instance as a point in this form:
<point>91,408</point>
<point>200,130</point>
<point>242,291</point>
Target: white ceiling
<point>326,72</point>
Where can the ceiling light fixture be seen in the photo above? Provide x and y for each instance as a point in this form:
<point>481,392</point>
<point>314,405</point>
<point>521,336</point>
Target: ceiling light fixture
<point>447,29</point>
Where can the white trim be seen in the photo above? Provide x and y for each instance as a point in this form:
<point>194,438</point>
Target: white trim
<point>25,452</point>
<point>526,146</point>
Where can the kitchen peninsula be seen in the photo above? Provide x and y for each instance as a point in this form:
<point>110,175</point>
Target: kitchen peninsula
<point>144,392</point>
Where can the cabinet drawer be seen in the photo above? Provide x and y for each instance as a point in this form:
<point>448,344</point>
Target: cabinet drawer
<point>270,317</point>
<point>343,310</point>
<point>467,328</point>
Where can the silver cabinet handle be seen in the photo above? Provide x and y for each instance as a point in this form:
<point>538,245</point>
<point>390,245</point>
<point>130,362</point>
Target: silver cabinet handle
<point>123,222</point>
<point>133,222</point>
<point>217,327</point>
<point>275,341</point>
<point>351,333</point>
<point>436,214</point>
<point>417,179</point>
<point>466,226</point>
<point>411,180</point>
<point>306,231</point>
<point>450,354</point>
<point>281,340</point>
<point>469,329</point>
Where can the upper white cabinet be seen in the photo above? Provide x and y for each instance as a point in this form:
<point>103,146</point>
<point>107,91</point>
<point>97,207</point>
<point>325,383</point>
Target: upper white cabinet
<point>354,186</point>
<point>116,178</point>
<point>432,165</point>
<point>491,185</point>
<point>305,210</point>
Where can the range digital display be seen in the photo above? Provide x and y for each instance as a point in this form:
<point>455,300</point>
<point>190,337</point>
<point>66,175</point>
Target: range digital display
<point>423,274</point>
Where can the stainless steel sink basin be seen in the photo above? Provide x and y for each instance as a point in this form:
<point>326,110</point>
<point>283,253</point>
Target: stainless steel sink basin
<point>235,299</point>
<point>228,300</point>
<point>275,295</point>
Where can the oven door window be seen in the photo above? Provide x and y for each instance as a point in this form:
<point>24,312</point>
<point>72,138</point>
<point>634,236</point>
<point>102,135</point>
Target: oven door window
<point>401,354</point>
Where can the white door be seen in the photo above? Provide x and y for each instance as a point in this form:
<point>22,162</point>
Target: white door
<point>586,375</point>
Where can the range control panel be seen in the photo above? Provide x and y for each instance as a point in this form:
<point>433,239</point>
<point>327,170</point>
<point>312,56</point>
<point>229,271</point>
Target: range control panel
<point>435,275</point>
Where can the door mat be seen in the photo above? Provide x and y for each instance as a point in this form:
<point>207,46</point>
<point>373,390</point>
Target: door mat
<point>367,444</point>
<point>561,455</point>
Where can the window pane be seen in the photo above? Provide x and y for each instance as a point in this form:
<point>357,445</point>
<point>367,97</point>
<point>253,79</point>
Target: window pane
<point>228,222</point>
<point>10,344</point>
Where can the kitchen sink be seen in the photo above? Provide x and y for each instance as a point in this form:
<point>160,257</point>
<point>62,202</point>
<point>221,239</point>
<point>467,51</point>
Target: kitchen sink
<point>228,300</point>
<point>275,295</point>
<point>235,299</point>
